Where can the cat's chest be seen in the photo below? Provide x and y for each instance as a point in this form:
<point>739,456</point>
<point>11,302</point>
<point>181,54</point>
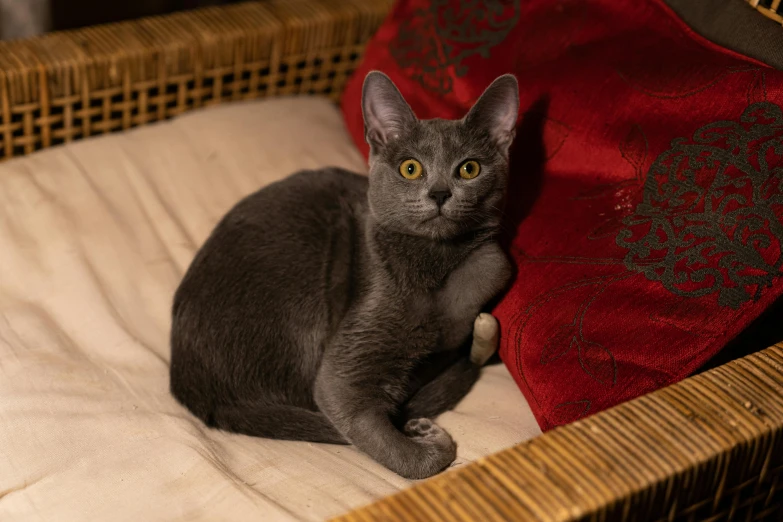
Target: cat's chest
<point>438,301</point>
<point>444,316</point>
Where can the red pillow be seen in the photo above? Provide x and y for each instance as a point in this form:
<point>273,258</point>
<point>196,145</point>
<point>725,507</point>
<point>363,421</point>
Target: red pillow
<point>646,208</point>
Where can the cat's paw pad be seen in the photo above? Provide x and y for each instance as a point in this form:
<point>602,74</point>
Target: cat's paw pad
<point>427,432</point>
<point>420,427</point>
<point>486,333</point>
<point>436,449</point>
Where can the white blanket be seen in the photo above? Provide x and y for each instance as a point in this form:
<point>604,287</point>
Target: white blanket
<point>94,238</point>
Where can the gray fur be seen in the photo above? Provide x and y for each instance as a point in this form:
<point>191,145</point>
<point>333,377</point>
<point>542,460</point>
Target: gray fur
<point>330,308</point>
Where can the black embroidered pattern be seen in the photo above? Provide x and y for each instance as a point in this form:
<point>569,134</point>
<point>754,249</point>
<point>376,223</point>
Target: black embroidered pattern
<point>709,217</point>
<point>446,33</point>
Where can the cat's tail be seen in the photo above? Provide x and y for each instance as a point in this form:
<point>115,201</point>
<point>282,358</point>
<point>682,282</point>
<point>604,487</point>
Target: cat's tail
<point>274,422</point>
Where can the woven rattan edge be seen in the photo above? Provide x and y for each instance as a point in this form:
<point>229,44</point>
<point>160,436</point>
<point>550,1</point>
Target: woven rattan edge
<point>772,9</point>
<point>707,448</point>
<point>69,85</point>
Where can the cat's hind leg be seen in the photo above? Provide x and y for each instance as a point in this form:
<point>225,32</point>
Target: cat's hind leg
<point>443,392</point>
<point>274,422</point>
<point>449,387</point>
<point>364,413</point>
<point>421,450</point>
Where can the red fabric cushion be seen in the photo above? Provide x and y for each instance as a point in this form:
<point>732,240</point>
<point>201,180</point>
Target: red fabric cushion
<point>646,210</point>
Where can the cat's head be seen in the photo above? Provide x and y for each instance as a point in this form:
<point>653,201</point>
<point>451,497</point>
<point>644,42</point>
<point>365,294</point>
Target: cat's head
<point>438,178</point>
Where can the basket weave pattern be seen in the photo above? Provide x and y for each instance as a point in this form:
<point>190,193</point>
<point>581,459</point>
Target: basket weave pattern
<point>770,8</point>
<point>707,449</point>
<point>74,84</point>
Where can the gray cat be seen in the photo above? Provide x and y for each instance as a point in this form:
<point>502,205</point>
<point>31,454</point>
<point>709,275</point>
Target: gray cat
<point>333,307</point>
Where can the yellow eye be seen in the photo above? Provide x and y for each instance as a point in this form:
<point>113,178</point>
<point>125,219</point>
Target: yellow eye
<point>411,169</point>
<point>469,170</point>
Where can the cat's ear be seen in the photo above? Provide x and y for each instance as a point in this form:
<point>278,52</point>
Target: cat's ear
<point>496,111</point>
<point>386,114</point>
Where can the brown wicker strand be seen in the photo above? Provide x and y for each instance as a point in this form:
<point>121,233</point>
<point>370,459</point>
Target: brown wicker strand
<point>772,9</point>
<point>69,85</point>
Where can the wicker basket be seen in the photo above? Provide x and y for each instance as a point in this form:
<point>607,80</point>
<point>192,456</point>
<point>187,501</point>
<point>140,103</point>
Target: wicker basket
<point>770,8</point>
<point>73,84</point>
<point>709,448</point>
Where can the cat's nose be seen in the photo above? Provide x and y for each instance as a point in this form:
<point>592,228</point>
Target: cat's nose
<point>440,196</point>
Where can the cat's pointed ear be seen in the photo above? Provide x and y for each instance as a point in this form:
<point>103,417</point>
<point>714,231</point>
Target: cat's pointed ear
<point>386,114</point>
<point>496,111</point>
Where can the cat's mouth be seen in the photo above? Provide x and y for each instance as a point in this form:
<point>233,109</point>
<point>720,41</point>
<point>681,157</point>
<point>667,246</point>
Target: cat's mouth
<point>438,216</point>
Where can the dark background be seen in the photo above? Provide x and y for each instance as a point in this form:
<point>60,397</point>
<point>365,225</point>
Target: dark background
<point>72,14</point>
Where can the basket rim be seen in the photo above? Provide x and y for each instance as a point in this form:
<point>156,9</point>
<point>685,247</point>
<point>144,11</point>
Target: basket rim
<point>631,456</point>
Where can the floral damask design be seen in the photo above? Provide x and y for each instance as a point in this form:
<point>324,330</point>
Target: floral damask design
<point>568,411</point>
<point>554,136</point>
<point>707,218</point>
<point>633,149</point>
<point>594,358</point>
<point>710,217</point>
<point>445,33</point>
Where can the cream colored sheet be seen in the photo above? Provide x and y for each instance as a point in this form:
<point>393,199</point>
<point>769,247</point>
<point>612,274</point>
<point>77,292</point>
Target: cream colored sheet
<point>94,238</point>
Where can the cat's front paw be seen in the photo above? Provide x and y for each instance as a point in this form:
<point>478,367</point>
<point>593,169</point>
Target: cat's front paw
<point>422,428</point>
<point>486,333</point>
<point>438,448</point>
